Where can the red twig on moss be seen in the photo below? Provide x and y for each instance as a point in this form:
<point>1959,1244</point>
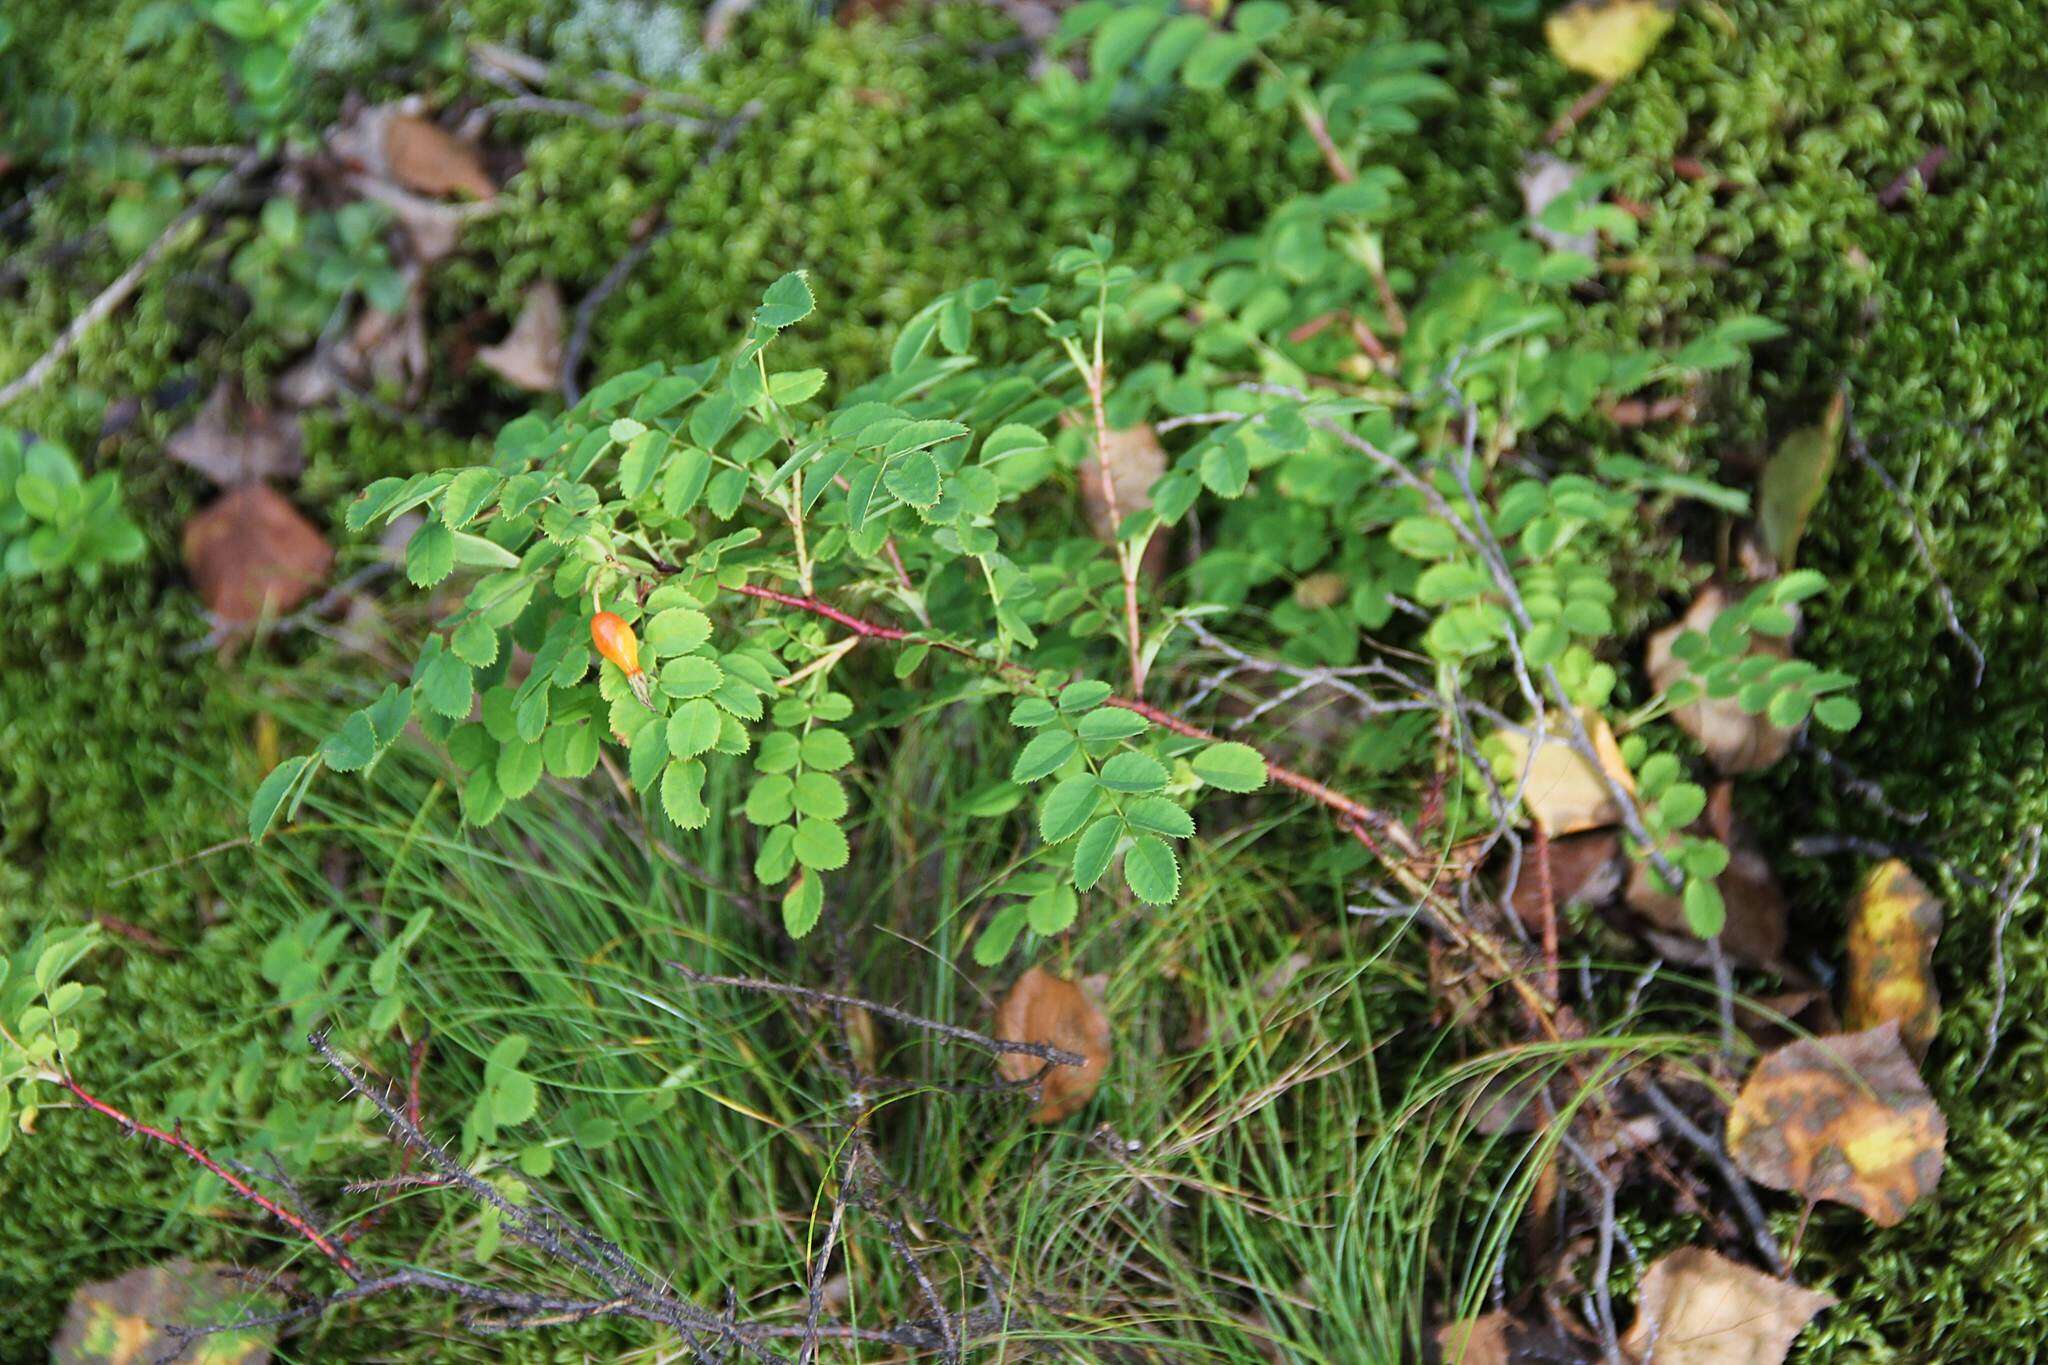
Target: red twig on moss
<point>177,1141</point>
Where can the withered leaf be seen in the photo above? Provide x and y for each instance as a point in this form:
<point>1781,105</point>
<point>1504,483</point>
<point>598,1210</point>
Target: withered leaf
<point>1564,793</point>
<point>1734,741</point>
<point>530,356</point>
<point>427,159</point>
<point>233,441</point>
<point>1584,867</point>
<point>1755,930</point>
<point>1135,461</point>
<point>1499,1338</point>
<point>1607,39</point>
<point>127,1320</point>
<point>1844,1118</point>
<point>1697,1307</point>
<point>251,553</point>
<point>1794,479</point>
<point>1893,927</point>
<point>1043,1008</point>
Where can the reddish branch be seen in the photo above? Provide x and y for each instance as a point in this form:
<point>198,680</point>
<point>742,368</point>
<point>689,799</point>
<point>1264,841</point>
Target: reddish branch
<point>1348,811</point>
<point>177,1141</point>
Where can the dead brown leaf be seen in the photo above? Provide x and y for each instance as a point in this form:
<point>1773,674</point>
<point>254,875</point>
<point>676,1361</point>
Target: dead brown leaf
<point>427,159</point>
<point>1136,461</point>
<point>1564,793</point>
<point>1043,1008</point>
<point>1697,1307</point>
<point>1757,910</point>
<point>1845,1118</point>
<point>126,1320</point>
<point>530,356</point>
<point>1735,741</point>
<point>1584,867</point>
<point>233,441</point>
<point>1893,927</point>
<point>250,553</point>
<point>1499,1338</point>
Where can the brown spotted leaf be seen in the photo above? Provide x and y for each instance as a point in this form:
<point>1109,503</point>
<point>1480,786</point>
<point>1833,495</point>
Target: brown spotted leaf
<point>1844,1118</point>
<point>251,554</point>
<point>1043,1008</point>
<point>123,1321</point>
<point>1893,927</point>
<point>1697,1307</point>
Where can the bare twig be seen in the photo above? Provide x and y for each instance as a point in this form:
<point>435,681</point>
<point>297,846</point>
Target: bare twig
<point>126,283</point>
<point>1052,1055</point>
<point>1951,621</point>
<point>1738,1185</point>
<point>2026,866</point>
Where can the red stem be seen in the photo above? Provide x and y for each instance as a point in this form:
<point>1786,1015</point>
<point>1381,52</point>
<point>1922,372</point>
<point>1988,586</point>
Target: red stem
<point>176,1139</point>
<point>1350,812</point>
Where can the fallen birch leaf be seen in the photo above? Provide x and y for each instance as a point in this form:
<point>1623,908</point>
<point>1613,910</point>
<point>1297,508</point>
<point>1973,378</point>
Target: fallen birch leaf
<point>1893,927</point>
<point>1607,39</point>
<point>1844,1118</point>
<point>128,1320</point>
<point>1697,1307</point>
<point>233,441</point>
<point>1735,741</point>
<point>252,554</point>
<point>1793,480</point>
<point>1136,461</point>
<point>1564,792</point>
<point>530,356</point>
<point>427,159</point>
<point>1046,1009</point>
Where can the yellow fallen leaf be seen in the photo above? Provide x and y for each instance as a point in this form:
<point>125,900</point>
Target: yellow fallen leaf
<point>1564,793</point>
<point>1794,479</point>
<point>1844,1118</point>
<point>1893,927</point>
<point>1697,1307</point>
<point>1607,39</point>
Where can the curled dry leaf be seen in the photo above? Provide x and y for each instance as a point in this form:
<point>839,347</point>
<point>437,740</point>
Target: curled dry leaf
<point>1754,932</point>
<point>1566,794</point>
<point>427,159</point>
<point>250,553</point>
<point>1043,1008</point>
<point>1735,741</point>
<point>1845,1118</point>
<point>1697,1307</point>
<point>1893,927</point>
<point>1608,39</point>
<point>1136,461</point>
<point>130,1318</point>
<point>530,356</point>
<point>233,441</point>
